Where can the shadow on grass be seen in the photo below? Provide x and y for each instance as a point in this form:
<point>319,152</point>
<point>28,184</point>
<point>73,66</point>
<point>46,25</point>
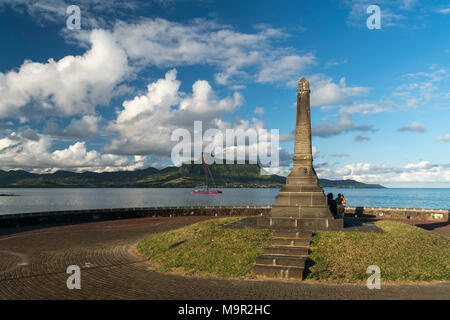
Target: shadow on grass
<point>308,264</point>
<point>361,225</point>
<point>432,226</point>
<point>177,244</point>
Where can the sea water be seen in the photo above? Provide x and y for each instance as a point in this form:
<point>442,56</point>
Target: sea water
<point>54,199</point>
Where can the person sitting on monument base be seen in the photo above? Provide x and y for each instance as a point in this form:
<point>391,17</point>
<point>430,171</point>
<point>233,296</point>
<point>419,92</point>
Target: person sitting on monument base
<point>332,204</point>
<point>341,201</point>
<point>344,202</point>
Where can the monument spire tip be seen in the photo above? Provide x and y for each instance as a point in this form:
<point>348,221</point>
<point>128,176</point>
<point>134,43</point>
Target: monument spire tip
<point>303,85</point>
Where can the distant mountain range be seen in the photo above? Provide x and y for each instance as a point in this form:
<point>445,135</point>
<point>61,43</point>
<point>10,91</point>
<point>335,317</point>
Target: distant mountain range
<point>350,184</point>
<point>186,176</point>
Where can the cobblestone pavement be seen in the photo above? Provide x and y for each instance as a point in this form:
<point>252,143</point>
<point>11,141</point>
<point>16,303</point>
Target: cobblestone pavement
<point>33,265</point>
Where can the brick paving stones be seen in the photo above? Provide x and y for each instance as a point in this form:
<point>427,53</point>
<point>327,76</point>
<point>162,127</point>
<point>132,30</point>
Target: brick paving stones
<point>109,271</point>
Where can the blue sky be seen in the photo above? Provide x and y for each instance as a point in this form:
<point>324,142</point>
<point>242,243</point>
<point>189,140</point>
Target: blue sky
<point>108,96</point>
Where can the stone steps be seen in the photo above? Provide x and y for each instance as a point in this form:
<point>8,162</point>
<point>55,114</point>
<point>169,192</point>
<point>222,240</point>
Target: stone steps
<point>300,223</point>
<point>281,261</point>
<point>300,212</point>
<point>294,234</point>
<point>286,251</point>
<point>289,242</point>
<point>278,272</point>
<point>285,256</point>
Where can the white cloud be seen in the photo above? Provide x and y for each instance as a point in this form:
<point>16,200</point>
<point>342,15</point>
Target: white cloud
<point>334,62</point>
<point>72,85</point>
<point>422,87</point>
<point>285,68</point>
<point>417,93</point>
<point>169,44</point>
<point>413,127</point>
<point>325,91</point>
<point>364,108</point>
<point>17,151</point>
<point>264,138</point>
<point>423,171</point>
<point>315,151</point>
<point>443,138</point>
<point>445,11</point>
<point>419,165</point>
<point>146,123</point>
<point>433,76</point>
<point>94,13</point>
<point>77,84</point>
<point>259,111</point>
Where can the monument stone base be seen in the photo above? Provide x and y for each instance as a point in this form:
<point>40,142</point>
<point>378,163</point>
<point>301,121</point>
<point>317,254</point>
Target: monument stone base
<point>301,204</point>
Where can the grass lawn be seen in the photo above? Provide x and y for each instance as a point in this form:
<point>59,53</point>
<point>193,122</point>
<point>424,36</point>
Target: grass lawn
<point>206,248</point>
<point>403,253</point>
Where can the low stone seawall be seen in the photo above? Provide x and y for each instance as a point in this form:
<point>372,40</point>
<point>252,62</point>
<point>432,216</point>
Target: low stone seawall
<point>78,216</point>
<point>399,213</point>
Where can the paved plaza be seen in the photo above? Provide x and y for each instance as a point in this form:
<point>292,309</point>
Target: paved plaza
<point>36,260</point>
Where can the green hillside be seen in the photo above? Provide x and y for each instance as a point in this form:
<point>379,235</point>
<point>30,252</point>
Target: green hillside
<point>186,176</point>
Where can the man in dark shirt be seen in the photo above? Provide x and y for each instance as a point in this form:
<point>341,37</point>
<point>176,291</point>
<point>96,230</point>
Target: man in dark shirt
<point>332,204</point>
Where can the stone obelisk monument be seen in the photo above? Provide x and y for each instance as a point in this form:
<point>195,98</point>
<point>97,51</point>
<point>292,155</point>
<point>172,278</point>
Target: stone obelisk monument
<point>301,203</point>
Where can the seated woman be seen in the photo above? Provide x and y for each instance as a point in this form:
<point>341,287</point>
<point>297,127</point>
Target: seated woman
<point>341,201</point>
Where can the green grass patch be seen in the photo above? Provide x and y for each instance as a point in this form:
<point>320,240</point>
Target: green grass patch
<point>206,248</point>
<point>403,253</point>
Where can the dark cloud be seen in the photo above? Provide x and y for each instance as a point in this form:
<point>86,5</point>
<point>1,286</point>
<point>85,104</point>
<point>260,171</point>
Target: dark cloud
<point>361,137</point>
<point>344,124</point>
<point>414,127</point>
<point>339,155</point>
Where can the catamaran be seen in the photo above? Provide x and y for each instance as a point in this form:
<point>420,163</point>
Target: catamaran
<point>205,189</point>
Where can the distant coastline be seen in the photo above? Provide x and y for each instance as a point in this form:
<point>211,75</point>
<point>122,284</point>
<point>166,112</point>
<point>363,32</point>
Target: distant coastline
<point>186,176</point>
<point>348,184</point>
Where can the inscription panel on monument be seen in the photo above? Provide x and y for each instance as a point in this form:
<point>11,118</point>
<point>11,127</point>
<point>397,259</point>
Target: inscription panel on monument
<point>302,139</point>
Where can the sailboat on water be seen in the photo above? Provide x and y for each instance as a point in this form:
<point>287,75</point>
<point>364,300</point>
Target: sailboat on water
<point>205,189</point>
